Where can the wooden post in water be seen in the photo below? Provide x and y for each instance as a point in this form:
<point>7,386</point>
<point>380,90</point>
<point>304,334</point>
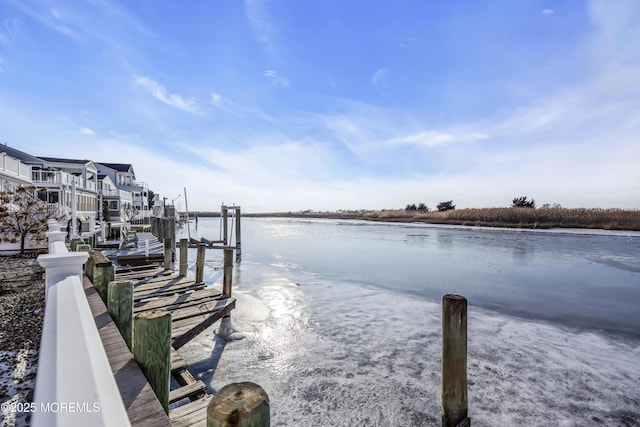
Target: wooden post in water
<point>200,262</point>
<point>227,272</point>
<point>225,231</point>
<point>183,257</point>
<point>120,307</point>
<point>172,233</point>
<point>152,351</point>
<point>454,361</point>
<point>167,254</point>
<point>239,405</point>
<point>238,250</point>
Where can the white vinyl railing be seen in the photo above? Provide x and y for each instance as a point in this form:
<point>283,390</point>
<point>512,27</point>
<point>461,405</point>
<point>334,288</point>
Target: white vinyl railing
<point>74,383</point>
<point>43,178</point>
<point>14,167</point>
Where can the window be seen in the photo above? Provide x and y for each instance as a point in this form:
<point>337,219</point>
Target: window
<point>113,205</point>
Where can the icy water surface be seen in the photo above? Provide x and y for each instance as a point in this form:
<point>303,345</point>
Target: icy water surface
<point>341,323</point>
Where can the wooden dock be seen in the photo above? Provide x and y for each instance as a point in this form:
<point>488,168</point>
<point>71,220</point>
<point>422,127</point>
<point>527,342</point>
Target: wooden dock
<point>137,254</point>
<point>194,308</point>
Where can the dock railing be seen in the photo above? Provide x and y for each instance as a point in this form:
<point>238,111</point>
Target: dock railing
<point>74,384</point>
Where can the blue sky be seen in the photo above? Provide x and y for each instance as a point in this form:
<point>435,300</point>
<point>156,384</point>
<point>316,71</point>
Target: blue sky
<point>285,104</point>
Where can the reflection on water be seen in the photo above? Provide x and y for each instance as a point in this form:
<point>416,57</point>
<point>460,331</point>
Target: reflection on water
<point>342,324</point>
<point>581,279</point>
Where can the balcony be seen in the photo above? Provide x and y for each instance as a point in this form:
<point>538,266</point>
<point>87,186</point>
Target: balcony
<point>47,178</point>
<point>122,194</point>
<point>14,168</point>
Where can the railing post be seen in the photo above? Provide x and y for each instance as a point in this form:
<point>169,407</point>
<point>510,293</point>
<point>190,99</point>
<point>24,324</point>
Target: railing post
<point>152,350</point>
<point>239,405</point>
<point>454,361</point>
<point>59,266</point>
<point>183,257</point>
<point>200,262</point>
<point>120,307</point>
<point>227,273</point>
<point>55,236</point>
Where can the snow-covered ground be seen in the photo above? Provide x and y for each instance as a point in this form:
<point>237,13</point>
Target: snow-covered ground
<point>339,354</point>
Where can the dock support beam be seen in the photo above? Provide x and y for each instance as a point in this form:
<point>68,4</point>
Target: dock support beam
<point>454,361</point>
<point>227,273</point>
<point>239,405</point>
<point>200,263</point>
<point>168,251</point>
<point>238,249</point>
<point>183,257</point>
<point>152,351</point>
<point>225,227</point>
<point>120,307</point>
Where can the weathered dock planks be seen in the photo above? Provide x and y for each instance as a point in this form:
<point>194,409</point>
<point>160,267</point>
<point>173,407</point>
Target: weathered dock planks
<point>139,254</point>
<point>193,309</point>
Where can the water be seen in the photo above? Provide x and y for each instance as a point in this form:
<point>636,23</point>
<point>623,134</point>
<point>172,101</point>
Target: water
<point>341,321</point>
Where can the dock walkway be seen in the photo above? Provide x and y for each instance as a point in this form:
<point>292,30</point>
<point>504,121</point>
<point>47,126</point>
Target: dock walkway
<point>194,308</point>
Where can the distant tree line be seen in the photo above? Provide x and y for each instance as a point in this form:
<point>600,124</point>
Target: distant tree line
<point>421,207</point>
<point>517,202</point>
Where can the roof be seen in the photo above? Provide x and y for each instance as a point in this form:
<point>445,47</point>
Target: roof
<point>55,159</point>
<point>120,167</point>
<point>21,155</point>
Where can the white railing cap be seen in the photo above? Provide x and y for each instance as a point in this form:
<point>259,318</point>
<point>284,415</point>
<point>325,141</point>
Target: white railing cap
<point>63,259</point>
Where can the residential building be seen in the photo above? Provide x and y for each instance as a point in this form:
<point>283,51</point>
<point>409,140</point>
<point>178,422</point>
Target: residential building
<point>55,180</point>
<point>13,172</point>
<point>122,175</point>
<point>59,179</point>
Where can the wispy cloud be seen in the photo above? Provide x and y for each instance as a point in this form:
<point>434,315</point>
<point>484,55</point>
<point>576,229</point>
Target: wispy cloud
<point>259,18</point>
<point>86,131</point>
<point>548,12</point>
<point>378,79</point>
<point>275,78</point>
<point>224,104</point>
<point>53,19</point>
<point>9,31</point>
<point>435,138</point>
<point>405,41</point>
<point>161,93</point>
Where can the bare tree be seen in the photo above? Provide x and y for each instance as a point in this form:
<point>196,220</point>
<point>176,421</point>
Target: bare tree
<point>446,206</point>
<point>21,215</point>
<point>522,202</point>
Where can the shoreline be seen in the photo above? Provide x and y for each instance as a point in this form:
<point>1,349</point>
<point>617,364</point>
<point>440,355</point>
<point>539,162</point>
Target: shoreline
<point>517,218</point>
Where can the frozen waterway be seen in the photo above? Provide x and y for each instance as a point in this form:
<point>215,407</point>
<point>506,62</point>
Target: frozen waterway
<point>342,324</point>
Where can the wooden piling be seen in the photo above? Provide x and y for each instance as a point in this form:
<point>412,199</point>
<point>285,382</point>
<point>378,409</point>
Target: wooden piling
<point>103,274</point>
<point>83,247</point>
<point>183,257</point>
<point>239,405</point>
<point>120,307</point>
<point>171,230</point>
<point>167,254</point>
<point>152,351</point>
<point>200,262</point>
<point>227,273</point>
<point>238,249</point>
<point>225,227</point>
<point>454,361</point>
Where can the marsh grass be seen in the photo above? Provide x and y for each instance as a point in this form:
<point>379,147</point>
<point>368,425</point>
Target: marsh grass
<point>607,219</point>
